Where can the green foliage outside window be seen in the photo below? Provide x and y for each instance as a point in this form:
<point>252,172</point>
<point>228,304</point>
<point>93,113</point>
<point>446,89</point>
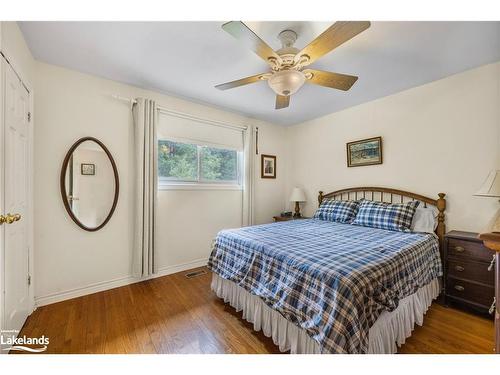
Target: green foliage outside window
<point>218,164</point>
<point>179,161</point>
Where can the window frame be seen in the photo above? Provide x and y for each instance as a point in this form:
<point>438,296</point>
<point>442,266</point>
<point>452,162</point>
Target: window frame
<point>172,183</point>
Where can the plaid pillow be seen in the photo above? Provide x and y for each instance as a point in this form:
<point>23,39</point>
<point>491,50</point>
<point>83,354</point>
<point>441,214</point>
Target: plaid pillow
<point>388,216</point>
<point>339,211</point>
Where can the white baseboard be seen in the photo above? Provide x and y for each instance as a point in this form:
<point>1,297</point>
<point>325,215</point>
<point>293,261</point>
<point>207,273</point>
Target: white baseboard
<point>115,283</point>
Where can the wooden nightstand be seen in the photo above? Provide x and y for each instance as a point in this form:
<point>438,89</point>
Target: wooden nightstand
<point>286,218</point>
<point>469,281</point>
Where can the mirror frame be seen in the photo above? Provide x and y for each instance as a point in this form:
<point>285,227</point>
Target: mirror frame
<point>62,183</point>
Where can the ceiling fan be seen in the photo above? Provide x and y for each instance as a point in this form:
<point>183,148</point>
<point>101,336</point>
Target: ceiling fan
<point>287,64</point>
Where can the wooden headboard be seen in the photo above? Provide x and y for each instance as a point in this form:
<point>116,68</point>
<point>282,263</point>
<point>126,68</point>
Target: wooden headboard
<point>388,195</point>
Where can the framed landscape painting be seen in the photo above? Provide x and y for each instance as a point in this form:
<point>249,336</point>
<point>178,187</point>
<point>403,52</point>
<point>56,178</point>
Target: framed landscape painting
<point>364,152</point>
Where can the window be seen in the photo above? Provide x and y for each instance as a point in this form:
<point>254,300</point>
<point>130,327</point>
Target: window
<point>191,163</point>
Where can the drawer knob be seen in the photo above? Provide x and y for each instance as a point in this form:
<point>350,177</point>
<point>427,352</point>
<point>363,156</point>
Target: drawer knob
<point>459,249</point>
<point>460,288</point>
<point>459,268</point>
<point>493,305</point>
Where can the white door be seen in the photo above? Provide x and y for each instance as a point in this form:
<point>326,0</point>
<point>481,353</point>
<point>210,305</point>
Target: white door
<point>16,181</point>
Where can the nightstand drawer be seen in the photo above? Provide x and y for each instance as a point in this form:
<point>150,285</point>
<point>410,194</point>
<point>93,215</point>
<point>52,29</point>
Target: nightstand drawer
<point>468,249</point>
<point>470,270</point>
<point>470,291</point>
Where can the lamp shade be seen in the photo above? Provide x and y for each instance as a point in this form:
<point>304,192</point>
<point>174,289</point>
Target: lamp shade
<point>297,195</point>
<point>491,186</point>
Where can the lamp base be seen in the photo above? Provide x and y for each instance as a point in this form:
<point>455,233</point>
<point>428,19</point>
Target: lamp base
<point>297,210</point>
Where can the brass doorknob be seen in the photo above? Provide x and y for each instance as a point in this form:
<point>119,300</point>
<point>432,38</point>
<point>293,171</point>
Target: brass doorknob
<point>11,218</point>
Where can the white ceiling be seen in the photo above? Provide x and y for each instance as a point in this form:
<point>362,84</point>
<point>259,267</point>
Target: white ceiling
<point>187,59</point>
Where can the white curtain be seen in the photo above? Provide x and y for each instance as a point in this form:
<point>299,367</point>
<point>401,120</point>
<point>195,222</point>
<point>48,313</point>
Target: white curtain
<point>248,189</point>
<point>146,182</point>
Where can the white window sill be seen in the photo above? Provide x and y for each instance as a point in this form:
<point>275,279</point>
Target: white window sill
<point>162,187</point>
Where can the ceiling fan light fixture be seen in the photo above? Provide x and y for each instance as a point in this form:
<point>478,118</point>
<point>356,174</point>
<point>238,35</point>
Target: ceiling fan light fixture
<point>286,82</point>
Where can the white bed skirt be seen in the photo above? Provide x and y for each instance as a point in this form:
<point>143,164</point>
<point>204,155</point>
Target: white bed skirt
<point>388,333</point>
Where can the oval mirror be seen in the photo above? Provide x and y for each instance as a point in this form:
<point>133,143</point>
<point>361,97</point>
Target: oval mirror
<point>89,184</point>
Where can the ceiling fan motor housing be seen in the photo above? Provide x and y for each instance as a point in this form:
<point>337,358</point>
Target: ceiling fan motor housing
<point>287,51</point>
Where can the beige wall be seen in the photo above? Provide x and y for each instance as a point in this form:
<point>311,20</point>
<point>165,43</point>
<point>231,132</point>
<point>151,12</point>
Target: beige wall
<point>189,220</point>
<point>440,137</point>
<point>71,105</point>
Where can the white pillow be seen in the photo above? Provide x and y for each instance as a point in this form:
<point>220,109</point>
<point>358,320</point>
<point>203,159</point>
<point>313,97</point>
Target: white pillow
<point>425,220</point>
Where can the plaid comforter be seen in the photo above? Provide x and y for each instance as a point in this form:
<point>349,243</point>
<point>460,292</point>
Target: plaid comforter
<point>331,279</point>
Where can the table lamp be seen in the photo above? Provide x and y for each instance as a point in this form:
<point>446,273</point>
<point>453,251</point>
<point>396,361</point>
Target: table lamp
<point>491,188</point>
<point>297,196</point>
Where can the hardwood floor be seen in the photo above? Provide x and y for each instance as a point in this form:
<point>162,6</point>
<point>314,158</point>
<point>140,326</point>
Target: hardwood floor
<point>173,314</point>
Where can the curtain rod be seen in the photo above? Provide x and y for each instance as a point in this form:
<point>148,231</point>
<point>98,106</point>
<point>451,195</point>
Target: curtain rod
<point>123,99</point>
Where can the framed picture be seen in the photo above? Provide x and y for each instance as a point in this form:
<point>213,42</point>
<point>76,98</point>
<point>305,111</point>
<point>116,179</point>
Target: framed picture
<point>364,152</point>
<point>268,166</point>
<point>88,169</point>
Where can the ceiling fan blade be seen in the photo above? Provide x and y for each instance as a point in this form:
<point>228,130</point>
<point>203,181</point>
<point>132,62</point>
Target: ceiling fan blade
<point>328,79</point>
<point>282,101</point>
<point>249,39</point>
<point>340,32</point>
<point>243,81</point>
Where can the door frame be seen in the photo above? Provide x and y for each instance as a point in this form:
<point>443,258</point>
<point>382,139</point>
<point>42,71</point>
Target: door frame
<point>5,58</point>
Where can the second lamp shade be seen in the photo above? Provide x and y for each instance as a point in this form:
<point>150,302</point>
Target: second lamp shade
<point>297,195</point>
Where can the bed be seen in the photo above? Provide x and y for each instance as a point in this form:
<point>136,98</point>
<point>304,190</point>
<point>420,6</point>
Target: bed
<point>316,286</point>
